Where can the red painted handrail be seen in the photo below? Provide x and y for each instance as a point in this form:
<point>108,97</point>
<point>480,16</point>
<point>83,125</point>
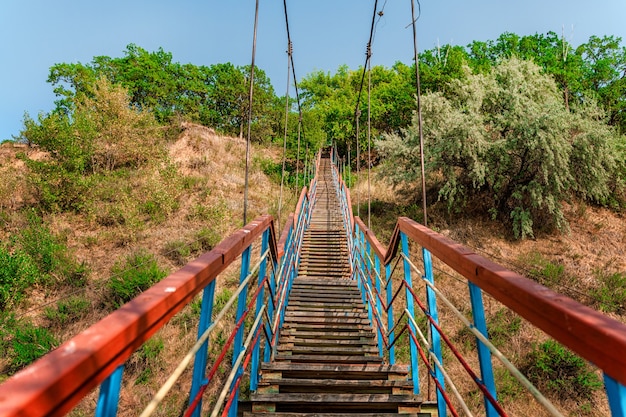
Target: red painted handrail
<point>303,195</point>
<point>284,235</point>
<point>54,384</point>
<point>591,334</point>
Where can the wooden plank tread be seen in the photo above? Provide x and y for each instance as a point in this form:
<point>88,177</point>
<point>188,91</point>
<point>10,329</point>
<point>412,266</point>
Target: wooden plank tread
<point>328,398</point>
<point>372,368</point>
<point>330,358</point>
<point>330,383</point>
<point>317,414</point>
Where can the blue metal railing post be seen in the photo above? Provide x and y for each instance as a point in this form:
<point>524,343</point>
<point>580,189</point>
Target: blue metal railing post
<point>254,367</point>
<point>286,273</point>
<point>367,277</point>
<point>110,394</point>
<point>484,355</point>
<point>390,319</point>
<point>410,306</point>
<point>616,393</point>
<point>379,306</point>
<point>283,279</point>
<point>241,309</point>
<point>359,262</point>
<point>199,365</point>
<point>435,347</point>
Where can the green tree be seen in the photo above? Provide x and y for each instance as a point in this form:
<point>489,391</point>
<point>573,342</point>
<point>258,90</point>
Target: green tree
<point>440,66</point>
<point>604,73</point>
<point>507,138</point>
<point>100,133</point>
<point>334,99</point>
<point>216,96</point>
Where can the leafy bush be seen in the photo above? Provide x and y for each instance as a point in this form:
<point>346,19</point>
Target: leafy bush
<point>40,245</point>
<point>68,311</point>
<point>270,168</point>
<point>96,132</point>
<point>29,343</point>
<point>206,239</point>
<point>611,294</point>
<point>35,257</point>
<point>135,274</point>
<point>178,251</point>
<point>507,140</point>
<point>146,359</point>
<point>545,271</point>
<point>49,254</point>
<point>158,198</point>
<point>17,273</point>
<point>122,135</point>
<point>557,371</point>
<point>502,326</point>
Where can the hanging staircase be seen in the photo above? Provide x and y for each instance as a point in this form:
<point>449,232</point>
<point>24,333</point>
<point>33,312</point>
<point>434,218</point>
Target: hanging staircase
<point>327,361</point>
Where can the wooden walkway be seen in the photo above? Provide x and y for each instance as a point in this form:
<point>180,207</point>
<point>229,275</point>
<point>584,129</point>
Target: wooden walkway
<point>327,362</point>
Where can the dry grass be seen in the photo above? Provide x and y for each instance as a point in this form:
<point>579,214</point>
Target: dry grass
<point>197,191</point>
<point>207,184</point>
<point>596,241</point>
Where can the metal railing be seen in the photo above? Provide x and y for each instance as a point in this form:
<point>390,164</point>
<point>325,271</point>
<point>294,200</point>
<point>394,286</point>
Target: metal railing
<point>396,309</point>
<point>56,383</point>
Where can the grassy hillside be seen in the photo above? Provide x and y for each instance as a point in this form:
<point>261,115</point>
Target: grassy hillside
<point>138,224</point>
<point>588,264</point>
<point>133,224</point>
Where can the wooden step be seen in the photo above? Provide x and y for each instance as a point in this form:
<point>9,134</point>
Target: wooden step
<point>290,385</point>
<point>343,321</point>
<point>297,341</point>
<point>333,282</point>
<point>287,414</point>
<point>326,314</point>
<point>326,359</point>
<point>323,334</point>
<point>330,291</point>
<point>331,327</point>
<point>320,299</point>
<point>327,350</point>
<point>339,371</point>
<point>331,402</point>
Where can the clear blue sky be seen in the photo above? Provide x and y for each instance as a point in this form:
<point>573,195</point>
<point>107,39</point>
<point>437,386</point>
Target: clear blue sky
<point>36,34</point>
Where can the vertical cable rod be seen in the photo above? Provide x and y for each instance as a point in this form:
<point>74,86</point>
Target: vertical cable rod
<point>298,153</point>
<point>245,191</point>
<point>369,135</point>
<point>419,113</point>
<point>358,165</point>
<point>357,111</point>
<point>282,176</point>
<point>295,82</point>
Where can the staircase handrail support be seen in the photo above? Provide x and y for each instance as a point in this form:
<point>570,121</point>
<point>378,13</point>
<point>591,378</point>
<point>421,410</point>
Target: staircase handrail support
<point>290,245</point>
<point>560,317</point>
<point>55,383</point>
<point>343,195</point>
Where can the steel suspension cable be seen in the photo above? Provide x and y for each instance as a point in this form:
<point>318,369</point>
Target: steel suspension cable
<point>282,176</point>
<point>357,111</point>
<point>419,111</point>
<point>358,165</point>
<point>369,136</point>
<point>295,82</point>
<point>298,153</point>
<point>245,191</point>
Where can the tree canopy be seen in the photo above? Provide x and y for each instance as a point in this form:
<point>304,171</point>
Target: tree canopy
<point>215,95</point>
<point>505,141</point>
<point>527,120</point>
